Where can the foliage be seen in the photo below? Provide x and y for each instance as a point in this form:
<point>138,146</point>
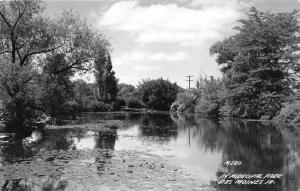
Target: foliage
<point>205,99</point>
<point>211,98</point>
<point>92,104</point>
<point>186,101</point>
<point>107,83</point>
<point>133,102</point>
<point>290,113</point>
<point>85,99</point>
<point>119,104</point>
<point>57,87</point>
<point>259,63</point>
<point>125,90</point>
<point>82,90</point>
<point>18,93</point>
<point>158,94</point>
<point>127,96</point>
<point>27,37</point>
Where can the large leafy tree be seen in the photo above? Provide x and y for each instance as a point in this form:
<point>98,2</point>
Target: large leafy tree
<point>260,63</point>
<point>27,36</point>
<point>106,82</point>
<point>158,94</point>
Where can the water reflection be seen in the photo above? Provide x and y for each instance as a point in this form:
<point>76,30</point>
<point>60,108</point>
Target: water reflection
<point>199,145</point>
<point>60,139</point>
<point>260,148</point>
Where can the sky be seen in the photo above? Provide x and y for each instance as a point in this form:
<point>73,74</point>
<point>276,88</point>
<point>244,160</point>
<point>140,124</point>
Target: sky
<point>165,38</point>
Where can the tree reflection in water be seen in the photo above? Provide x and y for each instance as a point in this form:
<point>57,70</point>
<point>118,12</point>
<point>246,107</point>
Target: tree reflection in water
<point>262,148</point>
<point>30,148</point>
<point>157,129</point>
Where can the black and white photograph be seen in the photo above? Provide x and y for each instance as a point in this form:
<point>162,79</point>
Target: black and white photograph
<point>150,95</point>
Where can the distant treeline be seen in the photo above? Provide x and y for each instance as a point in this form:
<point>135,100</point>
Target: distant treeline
<point>156,94</point>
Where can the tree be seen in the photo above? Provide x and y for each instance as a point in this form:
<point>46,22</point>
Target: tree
<point>26,37</point>
<point>107,83</point>
<point>19,108</point>
<point>57,87</point>
<point>260,63</point>
<point>82,90</point>
<point>125,90</point>
<point>211,91</point>
<point>158,94</point>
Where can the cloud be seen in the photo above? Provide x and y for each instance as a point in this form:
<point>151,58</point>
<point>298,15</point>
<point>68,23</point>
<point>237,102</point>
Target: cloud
<point>147,56</point>
<point>227,3</point>
<point>177,56</point>
<point>222,3</point>
<point>171,23</point>
<point>146,68</point>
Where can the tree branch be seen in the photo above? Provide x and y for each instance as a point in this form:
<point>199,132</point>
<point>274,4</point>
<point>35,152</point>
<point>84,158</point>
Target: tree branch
<point>5,51</point>
<point>37,52</point>
<point>19,17</point>
<point>67,68</point>
<point>5,20</point>
<point>73,66</point>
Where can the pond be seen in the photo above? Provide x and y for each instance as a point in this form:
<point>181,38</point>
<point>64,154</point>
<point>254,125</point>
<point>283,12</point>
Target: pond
<point>152,152</point>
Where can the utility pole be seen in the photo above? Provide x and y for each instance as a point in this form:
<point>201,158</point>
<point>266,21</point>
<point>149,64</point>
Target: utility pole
<point>189,80</point>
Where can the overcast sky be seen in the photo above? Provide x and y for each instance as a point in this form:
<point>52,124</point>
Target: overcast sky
<point>165,38</point>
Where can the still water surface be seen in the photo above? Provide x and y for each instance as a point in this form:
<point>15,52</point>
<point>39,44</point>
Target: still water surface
<point>199,146</point>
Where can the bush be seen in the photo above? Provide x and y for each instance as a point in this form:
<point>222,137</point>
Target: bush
<point>74,106</point>
<point>212,95</point>
<point>134,103</point>
<point>93,105</point>
<point>185,102</point>
<point>20,114</point>
<point>207,107</point>
<point>290,113</point>
<point>225,110</point>
<point>119,104</point>
<point>206,99</point>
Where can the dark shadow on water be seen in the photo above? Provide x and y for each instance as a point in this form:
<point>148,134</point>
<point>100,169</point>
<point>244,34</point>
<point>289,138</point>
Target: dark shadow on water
<point>157,125</point>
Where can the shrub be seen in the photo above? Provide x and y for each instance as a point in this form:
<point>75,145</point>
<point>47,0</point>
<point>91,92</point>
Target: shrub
<point>119,103</point>
<point>290,113</point>
<point>134,103</point>
<point>207,107</point>
<point>92,104</point>
<point>206,99</point>
<point>74,106</point>
<point>185,102</point>
<point>212,95</point>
